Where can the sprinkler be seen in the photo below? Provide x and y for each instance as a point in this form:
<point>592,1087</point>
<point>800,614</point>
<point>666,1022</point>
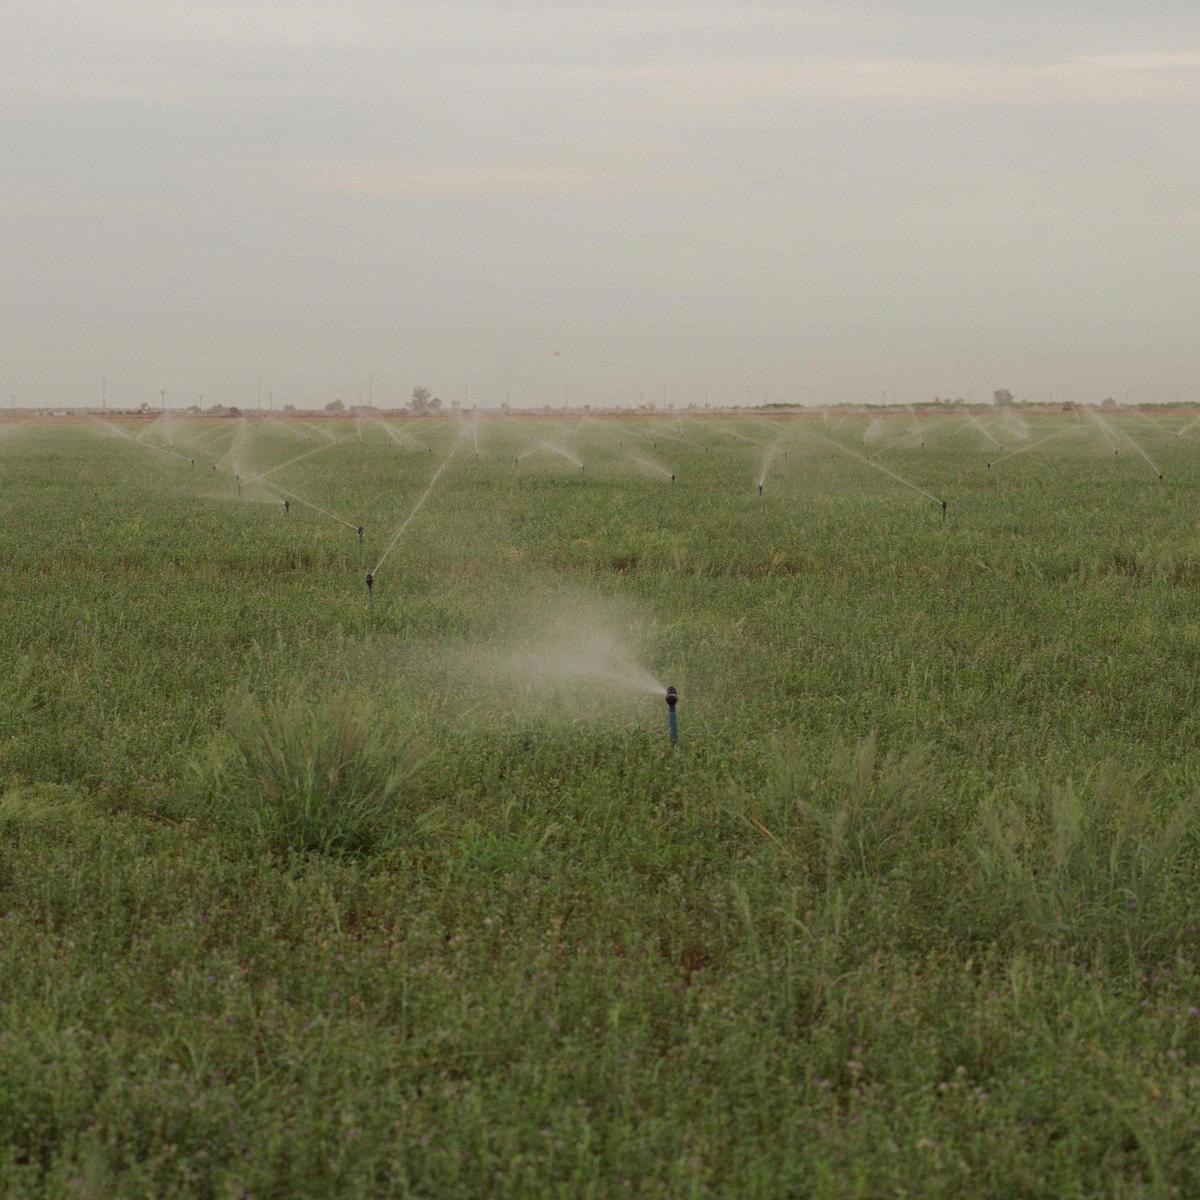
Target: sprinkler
<point>287,507</point>
<point>672,480</point>
<point>672,720</point>
<point>760,487</point>
<point>360,533</point>
<point>989,466</point>
<point>370,589</point>
<point>239,483</point>
<point>943,512</point>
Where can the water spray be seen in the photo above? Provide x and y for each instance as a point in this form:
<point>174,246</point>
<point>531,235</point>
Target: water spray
<point>672,720</point>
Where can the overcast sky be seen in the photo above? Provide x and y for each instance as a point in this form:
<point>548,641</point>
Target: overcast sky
<point>727,199</point>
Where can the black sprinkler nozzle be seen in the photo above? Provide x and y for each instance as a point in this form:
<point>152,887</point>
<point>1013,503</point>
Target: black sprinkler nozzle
<point>287,507</point>
<point>370,580</point>
<point>360,535</point>
<point>760,487</point>
<point>672,720</point>
<point>943,512</point>
<point>672,698</point>
<point>672,480</point>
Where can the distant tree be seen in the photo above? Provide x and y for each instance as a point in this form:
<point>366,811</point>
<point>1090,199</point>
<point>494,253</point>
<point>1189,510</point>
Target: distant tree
<point>335,406</point>
<point>289,408</point>
<point>423,401</point>
<point>1108,402</point>
<point>1002,397</point>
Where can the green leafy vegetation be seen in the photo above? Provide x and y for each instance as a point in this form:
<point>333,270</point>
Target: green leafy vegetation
<point>302,895</point>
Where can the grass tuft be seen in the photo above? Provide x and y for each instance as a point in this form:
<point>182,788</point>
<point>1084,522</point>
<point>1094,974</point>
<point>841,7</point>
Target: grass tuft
<point>298,777</point>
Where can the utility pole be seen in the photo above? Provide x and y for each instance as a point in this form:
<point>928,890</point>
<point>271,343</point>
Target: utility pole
<point>103,393</point>
<point>162,392</point>
<point>258,392</point>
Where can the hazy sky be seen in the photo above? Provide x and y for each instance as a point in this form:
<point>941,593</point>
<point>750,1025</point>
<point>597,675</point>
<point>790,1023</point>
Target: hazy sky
<point>734,198</point>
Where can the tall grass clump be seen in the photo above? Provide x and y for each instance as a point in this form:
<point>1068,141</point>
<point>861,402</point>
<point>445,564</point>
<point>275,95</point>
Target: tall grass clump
<point>853,824</point>
<point>300,777</point>
<point>1100,871</point>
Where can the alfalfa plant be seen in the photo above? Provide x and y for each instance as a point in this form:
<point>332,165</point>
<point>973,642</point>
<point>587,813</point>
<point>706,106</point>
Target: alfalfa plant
<point>297,776</point>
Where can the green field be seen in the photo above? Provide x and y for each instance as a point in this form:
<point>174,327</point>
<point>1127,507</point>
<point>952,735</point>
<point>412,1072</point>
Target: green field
<point>306,897</point>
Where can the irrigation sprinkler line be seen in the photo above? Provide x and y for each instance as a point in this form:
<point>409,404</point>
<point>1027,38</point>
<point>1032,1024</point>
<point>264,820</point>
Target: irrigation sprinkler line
<point>213,437</point>
<point>892,445</point>
<point>1031,446</point>
<point>743,437</point>
<point>974,420</point>
<point>1102,425</point>
<point>399,438</point>
<point>416,509</point>
<point>553,449</point>
<point>645,462</point>
<point>1142,452</point>
<point>1151,421</point>
<point>309,504</point>
<point>880,467</point>
<point>290,461</point>
<point>686,441</point>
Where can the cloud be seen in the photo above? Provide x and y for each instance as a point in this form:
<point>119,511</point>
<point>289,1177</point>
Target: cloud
<point>1143,78</point>
<point>384,179</point>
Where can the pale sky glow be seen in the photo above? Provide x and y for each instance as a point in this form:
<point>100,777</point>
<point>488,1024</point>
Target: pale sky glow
<point>729,199</point>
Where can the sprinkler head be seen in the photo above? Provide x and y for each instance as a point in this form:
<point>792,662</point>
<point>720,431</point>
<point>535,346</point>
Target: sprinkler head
<point>943,512</point>
<point>989,466</point>
<point>760,489</point>
<point>672,480</point>
<point>672,698</point>
<point>370,580</point>
<point>1160,474</point>
<point>360,533</point>
<point>287,507</point>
